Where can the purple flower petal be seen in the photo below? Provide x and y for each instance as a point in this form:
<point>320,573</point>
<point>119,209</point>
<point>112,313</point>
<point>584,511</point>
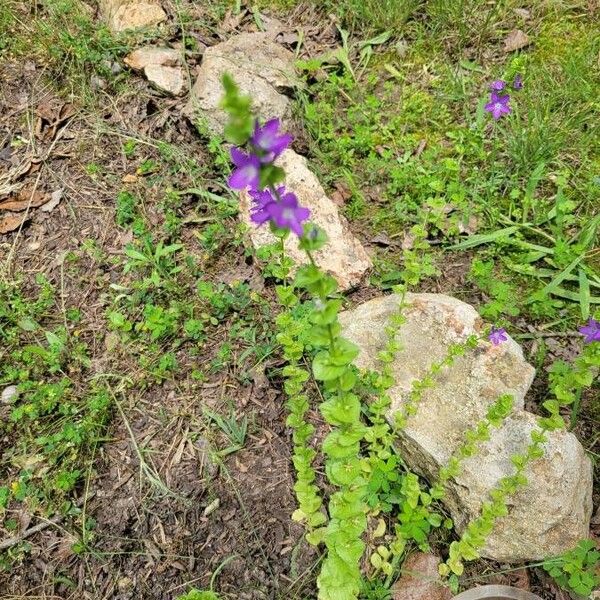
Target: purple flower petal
<point>268,140</point>
<point>497,335</point>
<point>518,82</point>
<point>498,85</point>
<point>287,214</point>
<point>591,331</point>
<point>238,158</point>
<point>247,173</point>
<point>259,211</point>
<point>498,105</point>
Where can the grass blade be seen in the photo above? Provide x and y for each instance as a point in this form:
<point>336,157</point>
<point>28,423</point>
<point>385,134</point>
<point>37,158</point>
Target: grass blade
<point>584,294</point>
<point>485,238</point>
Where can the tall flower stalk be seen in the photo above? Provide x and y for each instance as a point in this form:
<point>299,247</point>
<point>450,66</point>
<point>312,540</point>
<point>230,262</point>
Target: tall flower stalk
<point>257,148</point>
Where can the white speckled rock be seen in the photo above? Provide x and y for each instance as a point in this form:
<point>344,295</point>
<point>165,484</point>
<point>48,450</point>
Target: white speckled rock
<point>260,67</point>
<point>548,516</point>
<point>123,15</point>
<point>344,256</point>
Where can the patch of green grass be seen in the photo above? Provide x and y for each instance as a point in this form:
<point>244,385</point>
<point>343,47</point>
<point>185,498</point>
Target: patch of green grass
<point>410,141</point>
<point>63,36</point>
<point>54,421</point>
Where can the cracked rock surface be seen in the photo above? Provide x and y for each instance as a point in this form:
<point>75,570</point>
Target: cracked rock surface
<point>547,517</point>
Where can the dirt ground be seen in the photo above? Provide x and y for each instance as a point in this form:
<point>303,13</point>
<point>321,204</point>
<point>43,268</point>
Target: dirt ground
<point>165,511</point>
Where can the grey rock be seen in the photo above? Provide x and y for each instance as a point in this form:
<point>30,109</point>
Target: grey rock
<point>161,66</point>
<point>9,394</point>
<point>344,256</point>
<point>260,67</point>
<point>553,511</point>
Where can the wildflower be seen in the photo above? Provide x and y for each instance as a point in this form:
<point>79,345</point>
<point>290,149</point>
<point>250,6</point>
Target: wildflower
<point>497,335</point>
<point>268,141</point>
<point>286,213</point>
<point>498,105</point>
<point>262,199</point>
<point>591,331</point>
<point>247,173</point>
<point>518,82</point>
<point>498,85</point>
<point>281,209</point>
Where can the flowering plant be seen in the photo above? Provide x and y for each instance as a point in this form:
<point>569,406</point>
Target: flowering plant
<point>366,476</point>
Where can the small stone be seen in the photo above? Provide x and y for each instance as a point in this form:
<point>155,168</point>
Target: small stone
<point>143,57</point>
<point>546,517</point>
<point>167,79</point>
<point>523,13</point>
<point>260,67</point>
<point>98,83</point>
<point>344,256</point>
<point>401,47</point>
<point>516,40</point>
<point>420,579</point>
<point>161,66</point>
<point>9,394</point>
<point>122,15</point>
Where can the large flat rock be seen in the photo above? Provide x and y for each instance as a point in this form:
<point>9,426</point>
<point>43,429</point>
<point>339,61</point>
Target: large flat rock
<point>261,68</point>
<point>553,512</point>
<point>344,256</point>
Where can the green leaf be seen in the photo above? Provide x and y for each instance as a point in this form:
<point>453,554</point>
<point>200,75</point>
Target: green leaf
<point>343,472</point>
<point>584,295</point>
<point>341,409</point>
<point>27,324</point>
<point>324,369</point>
<point>486,238</point>
<point>135,254</point>
<point>471,66</point>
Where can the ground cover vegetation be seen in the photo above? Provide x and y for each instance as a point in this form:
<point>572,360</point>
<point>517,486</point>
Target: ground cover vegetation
<point>151,363</point>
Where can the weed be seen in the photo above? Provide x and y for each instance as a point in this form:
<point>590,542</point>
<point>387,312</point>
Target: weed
<point>577,570</point>
<point>234,428</point>
<point>54,424</point>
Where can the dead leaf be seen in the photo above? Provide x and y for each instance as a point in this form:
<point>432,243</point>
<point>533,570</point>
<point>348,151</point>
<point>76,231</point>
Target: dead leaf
<point>381,239</point>
<point>288,38</point>
<point>23,199</point>
<point>231,22</point>
<point>420,148</point>
<point>6,153</point>
<point>51,114</point>
<point>516,40</point>
<point>408,242</point>
<point>341,194</point>
<point>129,178</point>
<point>55,198</point>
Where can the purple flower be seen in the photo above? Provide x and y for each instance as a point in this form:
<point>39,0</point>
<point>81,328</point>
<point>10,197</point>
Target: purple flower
<point>288,214</point>
<point>591,331</point>
<point>262,199</point>
<point>498,105</point>
<point>247,173</point>
<point>281,209</point>
<point>498,85</point>
<point>268,140</point>
<point>518,82</point>
<point>497,335</point>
